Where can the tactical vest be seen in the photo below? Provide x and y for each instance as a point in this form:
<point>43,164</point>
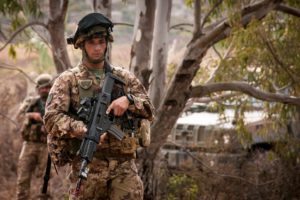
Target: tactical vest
<point>64,150</point>
<point>32,130</point>
<point>112,147</point>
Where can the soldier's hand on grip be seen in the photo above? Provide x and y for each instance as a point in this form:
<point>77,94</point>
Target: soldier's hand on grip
<point>118,106</point>
<point>35,116</point>
<point>103,137</point>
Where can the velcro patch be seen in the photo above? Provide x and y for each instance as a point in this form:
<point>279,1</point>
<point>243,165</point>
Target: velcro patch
<point>85,84</point>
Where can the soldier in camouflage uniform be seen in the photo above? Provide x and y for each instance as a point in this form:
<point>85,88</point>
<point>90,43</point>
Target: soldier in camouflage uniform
<point>113,173</point>
<point>34,151</point>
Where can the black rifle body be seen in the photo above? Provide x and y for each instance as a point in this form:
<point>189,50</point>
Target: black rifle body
<point>99,122</point>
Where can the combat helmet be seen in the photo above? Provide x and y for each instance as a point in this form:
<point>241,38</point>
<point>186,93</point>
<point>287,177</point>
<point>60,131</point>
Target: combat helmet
<point>89,25</point>
<point>43,80</point>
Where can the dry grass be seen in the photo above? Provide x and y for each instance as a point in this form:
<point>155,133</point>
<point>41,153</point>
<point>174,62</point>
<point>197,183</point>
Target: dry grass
<point>12,92</point>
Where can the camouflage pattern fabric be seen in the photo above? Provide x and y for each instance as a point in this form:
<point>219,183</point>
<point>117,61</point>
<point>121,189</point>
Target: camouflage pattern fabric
<point>108,171</point>
<point>32,157</point>
<point>94,30</point>
<point>108,179</point>
<point>63,100</point>
<point>31,130</point>
<point>143,133</point>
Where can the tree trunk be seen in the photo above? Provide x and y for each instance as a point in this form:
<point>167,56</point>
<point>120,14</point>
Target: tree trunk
<point>102,6</point>
<point>160,52</point>
<point>296,124</point>
<point>155,183</point>
<point>142,40</point>
<point>56,29</point>
<point>179,90</point>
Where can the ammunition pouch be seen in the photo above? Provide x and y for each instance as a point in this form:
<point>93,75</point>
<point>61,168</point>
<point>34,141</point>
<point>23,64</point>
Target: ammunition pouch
<point>117,149</point>
<point>143,132</point>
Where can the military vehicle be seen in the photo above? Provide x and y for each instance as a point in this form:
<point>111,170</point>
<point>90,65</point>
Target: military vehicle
<point>202,132</point>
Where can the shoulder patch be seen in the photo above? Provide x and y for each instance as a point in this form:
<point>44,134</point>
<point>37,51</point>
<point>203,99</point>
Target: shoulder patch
<point>49,99</point>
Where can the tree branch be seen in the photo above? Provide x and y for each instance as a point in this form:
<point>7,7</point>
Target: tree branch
<point>197,18</point>
<point>213,74</point>
<point>279,89</point>
<point>183,30</point>
<point>21,29</point>
<point>2,37</point>
<point>123,24</point>
<point>179,25</point>
<point>221,30</point>
<point>287,9</point>
<point>42,37</point>
<point>217,98</point>
<point>209,12</point>
<point>275,56</point>
<point>9,119</point>
<point>64,9</point>
<point>217,52</point>
<point>11,67</point>
<point>200,91</point>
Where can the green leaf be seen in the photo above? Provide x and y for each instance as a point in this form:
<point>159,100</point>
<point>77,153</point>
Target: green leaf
<point>189,3</point>
<point>12,52</point>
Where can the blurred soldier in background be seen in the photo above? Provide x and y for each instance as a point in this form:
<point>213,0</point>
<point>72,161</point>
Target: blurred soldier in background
<point>34,152</point>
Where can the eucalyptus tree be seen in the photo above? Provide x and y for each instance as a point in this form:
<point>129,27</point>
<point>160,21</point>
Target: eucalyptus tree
<point>159,52</point>
<point>215,24</point>
<point>142,40</point>
<point>103,6</point>
<point>33,14</point>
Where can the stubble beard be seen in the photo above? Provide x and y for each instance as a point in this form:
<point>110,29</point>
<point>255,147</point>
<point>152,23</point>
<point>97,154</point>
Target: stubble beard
<point>91,60</point>
<point>44,95</point>
<point>95,61</point>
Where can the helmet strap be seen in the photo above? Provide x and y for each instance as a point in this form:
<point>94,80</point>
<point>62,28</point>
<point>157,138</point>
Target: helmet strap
<point>107,50</point>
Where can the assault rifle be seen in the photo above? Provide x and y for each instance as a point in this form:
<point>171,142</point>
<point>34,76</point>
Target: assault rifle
<point>93,113</point>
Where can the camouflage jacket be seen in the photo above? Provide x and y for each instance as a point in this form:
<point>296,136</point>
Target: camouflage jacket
<point>63,102</point>
<point>32,130</point>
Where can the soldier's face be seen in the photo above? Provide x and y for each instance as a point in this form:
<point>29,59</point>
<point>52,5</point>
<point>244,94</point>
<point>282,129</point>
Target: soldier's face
<point>95,49</point>
<point>44,91</point>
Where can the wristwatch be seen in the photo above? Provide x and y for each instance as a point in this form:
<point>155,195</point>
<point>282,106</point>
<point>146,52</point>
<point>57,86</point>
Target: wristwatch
<point>130,99</point>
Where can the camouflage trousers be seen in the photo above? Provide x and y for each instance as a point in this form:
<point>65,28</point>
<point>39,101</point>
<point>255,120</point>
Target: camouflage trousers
<point>108,179</point>
<point>32,157</point>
